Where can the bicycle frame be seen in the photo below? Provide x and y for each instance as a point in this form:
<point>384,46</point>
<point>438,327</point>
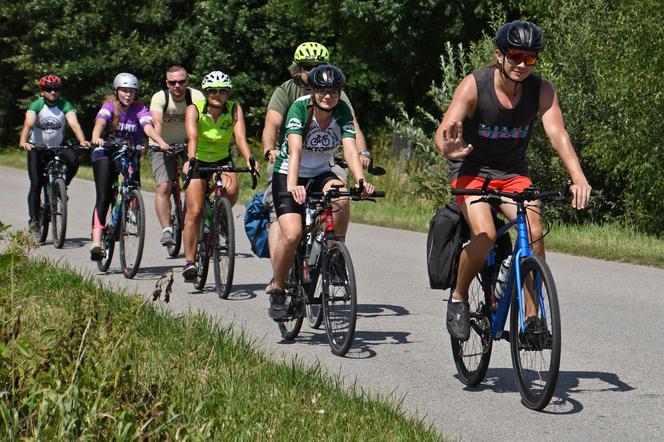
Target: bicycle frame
<point>521,250</point>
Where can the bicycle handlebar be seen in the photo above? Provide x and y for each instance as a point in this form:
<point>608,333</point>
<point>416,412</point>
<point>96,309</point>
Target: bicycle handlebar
<point>223,169</point>
<point>529,194</point>
<point>354,194</point>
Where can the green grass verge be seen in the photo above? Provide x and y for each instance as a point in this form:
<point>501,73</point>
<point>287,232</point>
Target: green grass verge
<point>78,361</point>
<point>614,243</point>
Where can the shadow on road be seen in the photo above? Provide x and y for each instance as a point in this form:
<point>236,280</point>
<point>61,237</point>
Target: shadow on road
<point>379,310</point>
<point>565,399</point>
<point>71,243</point>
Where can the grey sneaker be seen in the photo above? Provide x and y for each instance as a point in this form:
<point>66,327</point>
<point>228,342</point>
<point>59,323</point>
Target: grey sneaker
<point>458,320</point>
<point>278,309</point>
<point>167,238</point>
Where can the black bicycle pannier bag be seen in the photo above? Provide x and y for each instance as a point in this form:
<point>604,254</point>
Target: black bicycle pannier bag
<point>444,244</point>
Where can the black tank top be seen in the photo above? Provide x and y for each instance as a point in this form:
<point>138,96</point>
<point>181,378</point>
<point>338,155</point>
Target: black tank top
<point>499,136</point>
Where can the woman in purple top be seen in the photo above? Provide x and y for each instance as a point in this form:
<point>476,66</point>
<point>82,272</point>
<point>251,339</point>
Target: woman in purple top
<point>120,119</point>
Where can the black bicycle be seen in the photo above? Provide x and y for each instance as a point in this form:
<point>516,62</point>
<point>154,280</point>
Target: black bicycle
<point>177,200</point>
<point>322,273</point>
<point>216,238</point>
<point>53,208</point>
<point>127,216</point>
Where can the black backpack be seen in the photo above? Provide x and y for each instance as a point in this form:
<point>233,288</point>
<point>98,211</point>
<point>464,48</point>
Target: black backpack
<point>444,246</point>
<point>167,98</point>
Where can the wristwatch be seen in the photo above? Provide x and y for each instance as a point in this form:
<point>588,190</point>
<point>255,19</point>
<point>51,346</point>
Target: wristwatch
<point>365,153</point>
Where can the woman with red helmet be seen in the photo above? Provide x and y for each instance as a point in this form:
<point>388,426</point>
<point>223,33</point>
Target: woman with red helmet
<point>45,122</point>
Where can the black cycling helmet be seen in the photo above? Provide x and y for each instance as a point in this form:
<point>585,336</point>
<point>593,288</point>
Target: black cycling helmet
<point>520,35</point>
<point>326,76</point>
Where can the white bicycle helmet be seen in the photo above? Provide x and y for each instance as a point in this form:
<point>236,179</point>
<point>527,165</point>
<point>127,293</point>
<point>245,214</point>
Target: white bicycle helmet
<point>125,79</point>
<point>216,79</point>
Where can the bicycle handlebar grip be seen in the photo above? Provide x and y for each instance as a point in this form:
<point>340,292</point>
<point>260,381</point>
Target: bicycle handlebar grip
<point>378,194</point>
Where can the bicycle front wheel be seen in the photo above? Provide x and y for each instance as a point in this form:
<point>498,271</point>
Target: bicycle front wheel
<point>536,345</point>
<point>132,233</point>
<point>44,215</point>
<point>339,298</point>
<point>291,327</point>
<point>59,212</point>
<point>223,254</point>
<point>176,225</point>
<point>472,357</point>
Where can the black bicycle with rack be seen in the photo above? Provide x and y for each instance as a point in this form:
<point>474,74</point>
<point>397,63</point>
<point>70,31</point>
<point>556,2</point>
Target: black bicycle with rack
<point>216,238</point>
<point>126,220</point>
<point>53,208</point>
<point>322,273</point>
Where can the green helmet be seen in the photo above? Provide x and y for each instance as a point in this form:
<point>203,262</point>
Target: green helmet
<point>311,52</point>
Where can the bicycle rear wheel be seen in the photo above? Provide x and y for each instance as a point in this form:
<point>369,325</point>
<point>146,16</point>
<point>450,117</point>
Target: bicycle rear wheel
<point>59,212</point>
<point>472,357</point>
<point>536,353</point>
<point>132,233</point>
<point>315,311</point>
<point>202,256</point>
<point>339,298</point>
<point>44,215</point>
<point>224,246</point>
<point>291,327</point>
<point>176,225</point>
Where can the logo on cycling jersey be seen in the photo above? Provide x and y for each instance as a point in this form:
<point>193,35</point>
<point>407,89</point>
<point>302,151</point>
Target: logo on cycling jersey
<point>502,132</point>
<point>294,123</point>
<point>321,141</point>
<point>49,124</point>
<point>173,118</point>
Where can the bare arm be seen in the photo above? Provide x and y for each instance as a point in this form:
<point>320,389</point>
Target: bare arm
<point>28,124</point>
<point>273,121</point>
<point>154,136</point>
<point>294,157</point>
<point>449,135</point>
<point>240,134</point>
<point>191,129</point>
<point>157,121</point>
<point>554,127</point>
<point>72,120</point>
<point>360,144</point>
<point>96,139</point>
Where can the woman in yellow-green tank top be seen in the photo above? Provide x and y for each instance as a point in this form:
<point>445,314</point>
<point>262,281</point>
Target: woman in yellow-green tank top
<point>210,125</point>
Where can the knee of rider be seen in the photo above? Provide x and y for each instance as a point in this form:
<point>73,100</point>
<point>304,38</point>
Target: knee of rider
<point>163,188</point>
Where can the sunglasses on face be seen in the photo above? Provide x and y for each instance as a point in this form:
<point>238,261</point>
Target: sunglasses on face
<point>333,93</point>
<point>174,82</point>
<point>51,89</point>
<point>518,58</point>
<point>217,91</point>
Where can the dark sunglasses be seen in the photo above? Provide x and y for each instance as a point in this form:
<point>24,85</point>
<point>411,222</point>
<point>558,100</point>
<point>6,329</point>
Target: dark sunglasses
<point>308,67</point>
<point>174,82</point>
<point>517,59</point>
<point>51,89</point>
<point>217,91</point>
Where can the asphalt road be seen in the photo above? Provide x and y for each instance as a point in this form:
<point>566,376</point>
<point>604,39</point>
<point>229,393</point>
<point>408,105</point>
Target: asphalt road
<point>610,385</point>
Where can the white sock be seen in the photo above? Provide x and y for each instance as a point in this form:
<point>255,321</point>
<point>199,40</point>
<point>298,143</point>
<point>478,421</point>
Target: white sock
<point>167,229</point>
<point>457,300</point>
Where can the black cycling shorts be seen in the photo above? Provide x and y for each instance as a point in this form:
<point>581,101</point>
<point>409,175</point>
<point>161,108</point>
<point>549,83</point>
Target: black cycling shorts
<point>287,204</point>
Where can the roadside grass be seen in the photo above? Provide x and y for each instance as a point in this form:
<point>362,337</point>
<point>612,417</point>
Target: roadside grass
<point>78,361</point>
<point>403,210</point>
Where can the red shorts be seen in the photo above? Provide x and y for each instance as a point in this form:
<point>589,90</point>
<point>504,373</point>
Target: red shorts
<point>515,184</point>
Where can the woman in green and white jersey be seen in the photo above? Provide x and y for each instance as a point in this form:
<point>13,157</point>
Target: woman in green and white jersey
<point>316,125</point>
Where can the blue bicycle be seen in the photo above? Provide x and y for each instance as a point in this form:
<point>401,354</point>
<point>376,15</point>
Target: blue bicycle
<point>529,292</point>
